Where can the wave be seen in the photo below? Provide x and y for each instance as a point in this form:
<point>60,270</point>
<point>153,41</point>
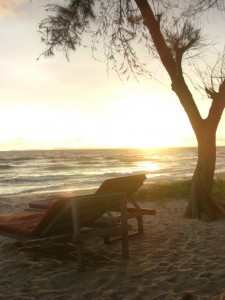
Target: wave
<point>24,158</point>
<point>34,179</point>
<point>6,167</point>
<point>50,188</point>
<point>59,167</point>
<point>16,159</point>
<point>52,170</point>
<point>90,163</point>
<point>118,174</point>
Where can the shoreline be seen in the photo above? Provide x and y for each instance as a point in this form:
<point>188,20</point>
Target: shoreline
<point>78,192</point>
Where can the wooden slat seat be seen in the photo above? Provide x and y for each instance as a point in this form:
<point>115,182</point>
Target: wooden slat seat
<point>71,218</point>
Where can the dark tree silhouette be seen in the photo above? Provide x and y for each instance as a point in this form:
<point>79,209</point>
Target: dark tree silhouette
<point>199,6</point>
<point>169,35</point>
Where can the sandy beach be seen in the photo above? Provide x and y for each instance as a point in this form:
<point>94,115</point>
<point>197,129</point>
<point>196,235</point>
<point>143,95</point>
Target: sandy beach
<point>176,258</point>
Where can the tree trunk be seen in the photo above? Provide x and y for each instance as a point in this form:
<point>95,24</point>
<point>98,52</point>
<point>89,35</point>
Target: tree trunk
<point>201,204</point>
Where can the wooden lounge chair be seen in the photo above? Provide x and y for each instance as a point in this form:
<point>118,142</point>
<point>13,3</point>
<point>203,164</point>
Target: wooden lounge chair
<point>77,219</point>
<point>128,185</point>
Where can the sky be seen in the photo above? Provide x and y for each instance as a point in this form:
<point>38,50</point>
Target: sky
<point>52,103</point>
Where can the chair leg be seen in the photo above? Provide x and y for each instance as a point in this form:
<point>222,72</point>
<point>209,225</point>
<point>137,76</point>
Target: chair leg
<point>106,239</point>
<point>125,249</point>
<point>140,225</point>
<point>77,232</point>
<point>124,229</point>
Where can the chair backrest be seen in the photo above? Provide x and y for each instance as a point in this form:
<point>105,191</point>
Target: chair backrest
<point>126,184</point>
<point>58,217</point>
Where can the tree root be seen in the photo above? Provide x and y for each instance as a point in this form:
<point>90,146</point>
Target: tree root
<point>205,210</point>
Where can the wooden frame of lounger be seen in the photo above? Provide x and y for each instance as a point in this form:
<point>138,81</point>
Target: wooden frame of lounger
<point>77,218</point>
<point>127,185</point>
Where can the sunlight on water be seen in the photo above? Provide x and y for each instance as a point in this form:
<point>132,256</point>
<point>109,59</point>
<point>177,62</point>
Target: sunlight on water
<point>146,165</point>
<point>57,170</point>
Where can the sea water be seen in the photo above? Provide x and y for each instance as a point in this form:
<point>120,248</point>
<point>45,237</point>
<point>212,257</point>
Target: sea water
<point>56,170</point>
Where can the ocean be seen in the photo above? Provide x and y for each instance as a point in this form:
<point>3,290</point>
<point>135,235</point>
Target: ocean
<point>39,171</point>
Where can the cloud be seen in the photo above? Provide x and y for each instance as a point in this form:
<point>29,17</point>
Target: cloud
<point>9,7</point>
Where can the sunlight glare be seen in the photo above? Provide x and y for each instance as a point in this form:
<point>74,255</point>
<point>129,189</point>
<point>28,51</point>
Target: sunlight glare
<point>150,121</point>
<point>131,120</point>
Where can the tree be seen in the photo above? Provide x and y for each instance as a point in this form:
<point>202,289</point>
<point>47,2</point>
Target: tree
<point>197,6</point>
<point>169,36</point>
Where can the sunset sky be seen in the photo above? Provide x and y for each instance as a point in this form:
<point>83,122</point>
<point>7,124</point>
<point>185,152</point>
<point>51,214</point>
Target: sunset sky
<point>53,103</point>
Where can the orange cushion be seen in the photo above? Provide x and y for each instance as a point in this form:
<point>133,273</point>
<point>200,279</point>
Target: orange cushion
<point>21,223</point>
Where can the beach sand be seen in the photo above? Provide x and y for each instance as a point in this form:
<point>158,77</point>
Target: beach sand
<point>176,258</point>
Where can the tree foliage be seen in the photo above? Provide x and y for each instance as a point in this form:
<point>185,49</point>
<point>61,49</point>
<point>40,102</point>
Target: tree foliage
<point>63,29</point>
<point>201,6</point>
<point>120,28</point>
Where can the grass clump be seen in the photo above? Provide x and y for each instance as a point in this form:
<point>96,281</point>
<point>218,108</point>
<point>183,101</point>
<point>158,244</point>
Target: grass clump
<point>219,190</point>
<point>159,192</point>
<point>164,191</point>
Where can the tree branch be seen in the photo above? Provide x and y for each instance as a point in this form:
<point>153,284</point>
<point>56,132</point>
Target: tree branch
<point>217,106</point>
<point>172,66</point>
<point>153,25</point>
